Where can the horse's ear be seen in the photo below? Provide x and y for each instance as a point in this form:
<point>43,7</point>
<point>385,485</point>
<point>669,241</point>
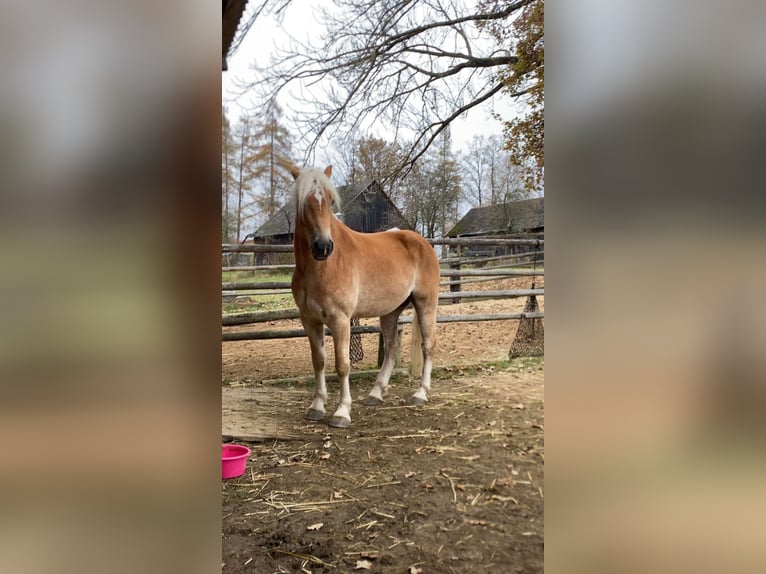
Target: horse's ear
<point>289,166</point>
<point>328,171</point>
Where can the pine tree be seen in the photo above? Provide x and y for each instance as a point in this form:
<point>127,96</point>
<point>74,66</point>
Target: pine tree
<point>228,183</point>
<point>244,174</point>
<point>272,150</point>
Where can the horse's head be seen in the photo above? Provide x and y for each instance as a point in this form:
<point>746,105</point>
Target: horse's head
<point>315,197</point>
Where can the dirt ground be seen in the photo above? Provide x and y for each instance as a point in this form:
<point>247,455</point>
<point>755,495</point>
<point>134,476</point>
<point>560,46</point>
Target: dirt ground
<point>455,486</point>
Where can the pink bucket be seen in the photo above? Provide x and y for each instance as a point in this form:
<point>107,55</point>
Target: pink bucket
<point>233,460</point>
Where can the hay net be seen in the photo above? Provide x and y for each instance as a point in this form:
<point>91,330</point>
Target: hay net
<point>530,336</point>
<point>356,352</point>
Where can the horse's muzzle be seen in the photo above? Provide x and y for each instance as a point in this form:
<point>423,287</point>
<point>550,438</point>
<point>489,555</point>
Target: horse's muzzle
<point>321,249</point>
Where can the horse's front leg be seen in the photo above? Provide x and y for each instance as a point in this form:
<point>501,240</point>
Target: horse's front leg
<point>341,333</point>
<point>315,332</point>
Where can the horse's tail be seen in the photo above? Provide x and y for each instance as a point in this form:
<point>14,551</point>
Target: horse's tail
<point>416,346</point>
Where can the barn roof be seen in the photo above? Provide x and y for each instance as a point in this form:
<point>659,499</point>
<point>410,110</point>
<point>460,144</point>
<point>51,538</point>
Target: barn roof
<point>232,14</point>
<point>513,217</point>
<point>281,223</point>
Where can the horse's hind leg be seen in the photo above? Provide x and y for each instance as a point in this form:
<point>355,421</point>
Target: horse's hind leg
<point>315,332</point>
<point>426,310</point>
<point>390,329</point>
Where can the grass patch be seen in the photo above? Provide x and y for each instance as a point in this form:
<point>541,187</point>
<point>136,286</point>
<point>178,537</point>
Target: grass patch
<point>255,276</point>
<point>254,301</point>
<point>402,377</point>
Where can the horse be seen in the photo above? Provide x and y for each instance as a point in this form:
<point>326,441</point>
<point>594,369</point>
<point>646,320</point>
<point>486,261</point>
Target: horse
<point>341,274</point>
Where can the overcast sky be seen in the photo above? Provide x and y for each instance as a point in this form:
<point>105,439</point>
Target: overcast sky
<point>299,19</point>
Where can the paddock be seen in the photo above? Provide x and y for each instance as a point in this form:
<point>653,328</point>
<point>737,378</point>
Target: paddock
<point>454,486</point>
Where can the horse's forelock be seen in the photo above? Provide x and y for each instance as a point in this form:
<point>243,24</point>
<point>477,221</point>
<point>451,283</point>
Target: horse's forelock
<point>307,183</point>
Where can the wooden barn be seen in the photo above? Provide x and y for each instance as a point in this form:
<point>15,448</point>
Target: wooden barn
<point>516,218</point>
<point>365,208</point>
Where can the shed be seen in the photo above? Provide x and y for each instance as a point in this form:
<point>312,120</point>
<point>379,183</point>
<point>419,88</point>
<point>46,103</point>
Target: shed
<point>365,208</point>
<point>519,218</point>
<point>525,216</point>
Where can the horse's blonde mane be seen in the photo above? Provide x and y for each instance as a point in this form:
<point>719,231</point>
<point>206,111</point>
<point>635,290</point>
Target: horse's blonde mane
<point>311,180</point>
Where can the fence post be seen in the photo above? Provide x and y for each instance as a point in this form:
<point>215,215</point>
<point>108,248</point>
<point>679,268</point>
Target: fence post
<point>454,283</point>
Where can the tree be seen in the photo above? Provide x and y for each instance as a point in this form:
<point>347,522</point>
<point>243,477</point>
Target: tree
<point>446,182</point>
<point>376,159</point>
<point>271,154</point>
<point>525,77</point>
<point>243,174</point>
<point>413,66</point>
<point>431,191</point>
<point>509,183</point>
<point>490,175</point>
<point>474,168</point>
<point>228,148</point>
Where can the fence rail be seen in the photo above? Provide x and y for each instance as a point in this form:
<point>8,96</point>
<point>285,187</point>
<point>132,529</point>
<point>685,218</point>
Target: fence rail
<point>454,276</point>
<point>449,241</point>
<point>481,241</point>
<point>491,273</point>
<point>294,333</point>
<point>255,248</point>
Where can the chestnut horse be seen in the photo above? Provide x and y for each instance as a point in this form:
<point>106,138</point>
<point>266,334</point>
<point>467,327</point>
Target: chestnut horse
<point>340,274</point>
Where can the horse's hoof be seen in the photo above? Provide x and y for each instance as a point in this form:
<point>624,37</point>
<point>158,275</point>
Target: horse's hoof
<point>339,422</point>
<point>371,401</point>
<point>314,415</point>
<point>416,401</point>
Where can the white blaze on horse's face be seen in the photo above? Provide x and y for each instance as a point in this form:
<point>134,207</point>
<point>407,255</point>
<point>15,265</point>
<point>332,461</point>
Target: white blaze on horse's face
<point>317,216</point>
<point>315,196</point>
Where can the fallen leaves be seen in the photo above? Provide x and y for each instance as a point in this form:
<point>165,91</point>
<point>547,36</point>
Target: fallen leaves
<point>363,565</point>
<point>316,526</point>
<point>414,570</point>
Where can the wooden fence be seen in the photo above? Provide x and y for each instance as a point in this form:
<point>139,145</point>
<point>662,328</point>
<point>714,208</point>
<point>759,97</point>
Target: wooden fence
<point>455,276</point>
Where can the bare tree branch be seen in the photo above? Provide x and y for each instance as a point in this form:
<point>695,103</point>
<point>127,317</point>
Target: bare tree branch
<point>410,66</point>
